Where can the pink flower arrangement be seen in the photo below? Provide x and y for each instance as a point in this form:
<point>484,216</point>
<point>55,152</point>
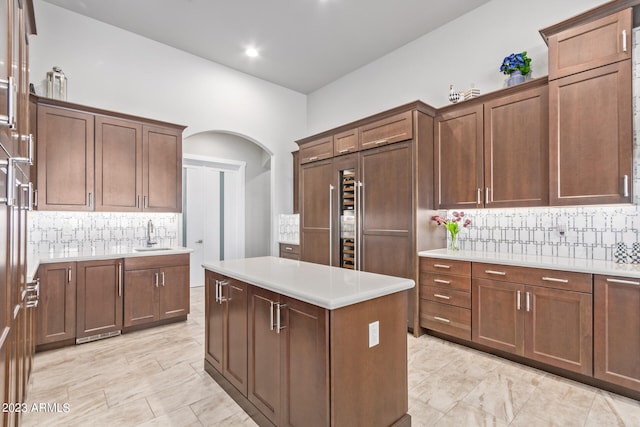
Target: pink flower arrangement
<point>454,225</point>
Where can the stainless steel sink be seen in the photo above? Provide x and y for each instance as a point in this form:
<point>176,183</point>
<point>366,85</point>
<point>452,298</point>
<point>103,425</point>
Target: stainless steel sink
<point>150,249</point>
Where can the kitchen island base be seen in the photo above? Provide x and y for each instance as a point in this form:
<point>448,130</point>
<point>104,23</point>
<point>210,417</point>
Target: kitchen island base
<point>308,365</point>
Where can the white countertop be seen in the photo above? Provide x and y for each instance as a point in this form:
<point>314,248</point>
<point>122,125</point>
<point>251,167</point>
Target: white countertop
<point>321,285</point>
<point>539,261</point>
<point>93,254</point>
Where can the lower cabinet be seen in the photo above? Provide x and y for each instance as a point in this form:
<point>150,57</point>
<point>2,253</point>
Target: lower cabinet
<point>99,298</point>
<point>56,311</point>
<point>616,302</point>
<point>288,359</point>
<point>543,315</point>
<point>156,288</point>
<point>226,328</point>
<point>290,251</point>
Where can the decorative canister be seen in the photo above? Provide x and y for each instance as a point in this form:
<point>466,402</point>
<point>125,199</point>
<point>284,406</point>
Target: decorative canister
<point>635,253</point>
<point>453,95</point>
<point>56,84</point>
<point>620,254</point>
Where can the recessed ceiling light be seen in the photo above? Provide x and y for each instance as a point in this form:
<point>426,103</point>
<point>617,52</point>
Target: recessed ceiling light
<point>251,52</point>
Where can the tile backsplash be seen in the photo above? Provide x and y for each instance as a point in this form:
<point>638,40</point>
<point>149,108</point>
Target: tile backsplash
<point>63,231</point>
<point>590,232</point>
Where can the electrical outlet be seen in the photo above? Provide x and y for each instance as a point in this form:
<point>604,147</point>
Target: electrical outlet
<point>374,333</point>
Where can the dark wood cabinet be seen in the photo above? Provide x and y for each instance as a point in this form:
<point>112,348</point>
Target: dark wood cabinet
<point>99,298</point>
<point>65,160</point>
<point>316,183</point>
<point>590,136</point>
<point>458,164</point>
<point>118,169</point>
<point>162,169</point>
<point>156,288</point>
<point>591,45</point>
<point>289,251</point>
<point>616,303</point>
<point>388,130</point>
<point>346,142</point>
<point>319,149</point>
<point>226,328</point>
<point>56,312</point>
<point>551,323</point>
<point>516,140</point>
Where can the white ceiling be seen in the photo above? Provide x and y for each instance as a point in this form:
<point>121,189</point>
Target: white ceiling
<point>303,44</point>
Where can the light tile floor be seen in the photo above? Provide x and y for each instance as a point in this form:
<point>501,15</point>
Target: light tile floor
<point>156,378</point>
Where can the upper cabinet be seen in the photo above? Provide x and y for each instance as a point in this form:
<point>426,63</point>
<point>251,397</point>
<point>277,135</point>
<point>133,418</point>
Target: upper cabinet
<point>387,131</point>
<point>591,45</point>
<point>590,108</point>
<point>493,153</point>
<point>88,159</point>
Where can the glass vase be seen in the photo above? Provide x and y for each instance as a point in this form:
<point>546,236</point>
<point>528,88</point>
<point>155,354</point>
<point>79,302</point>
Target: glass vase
<point>453,242</point>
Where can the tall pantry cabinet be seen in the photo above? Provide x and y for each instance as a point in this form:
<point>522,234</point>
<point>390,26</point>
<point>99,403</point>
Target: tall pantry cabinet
<point>366,195</point>
<point>17,297</point>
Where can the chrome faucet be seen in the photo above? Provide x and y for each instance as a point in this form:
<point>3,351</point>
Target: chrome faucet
<point>149,232</point>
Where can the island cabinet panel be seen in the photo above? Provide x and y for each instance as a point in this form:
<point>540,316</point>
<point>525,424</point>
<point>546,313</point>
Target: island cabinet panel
<point>317,189</point>
<point>597,43</point>
<point>458,165</point>
<point>226,328</point>
<point>550,323</point>
<point>99,297</point>
<point>616,338</point>
<point>591,137</point>
<point>516,144</point>
<point>118,174</point>
<point>65,160</point>
<point>56,312</point>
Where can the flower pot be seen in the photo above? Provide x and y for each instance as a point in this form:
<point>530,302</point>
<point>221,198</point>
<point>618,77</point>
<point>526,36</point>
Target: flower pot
<point>515,78</point>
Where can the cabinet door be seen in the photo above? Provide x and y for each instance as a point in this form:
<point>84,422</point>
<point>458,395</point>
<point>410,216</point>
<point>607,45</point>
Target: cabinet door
<point>387,210</point>
<point>118,173</point>
<point>516,161</point>
<point>264,354</point>
<point>174,291</point>
<point>497,315</point>
<point>316,183</point>
<point>56,312</point>
<point>346,142</point>
<point>162,169</point>
<point>214,318</point>
<point>296,181</point>
<point>458,165</point>
<point>234,295</point>
<point>387,131</point>
<point>558,329</point>
<point>99,297</point>
<point>306,364</point>
<point>616,303</point>
<point>590,137</point>
<point>65,159</point>
<point>584,47</point>
<point>141,297</point>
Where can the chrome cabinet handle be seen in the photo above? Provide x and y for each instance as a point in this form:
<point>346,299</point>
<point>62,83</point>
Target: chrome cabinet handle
<point>10,119</point>
<point>313,158</point>
<point>479,196</point>
<point>376,142</point>
<point>156,279</point>
<point>624,40</point>
<point>623,282</point>
<point>442,266</point>
<point>138,201</point>
<point>271,303</point>
<point>278,321</point>
<point>553,279</point>
<point>528,302</point>
<point>625,190</point>
<point>330,225</point>
<point>496,273</point>
<point>146,202</point>
<point>344,150</point>
<point>69,275</point>
<point>162,276</point>
<point>442,296</point>
<point>217,290</point>
<point>358,202</point>
<point>222,284</point>
<point>444,282</point>
<point>90,200</point>
<point>518,305</point>
<point>286,248</point>
<point>442,319</point>
<point>486,195</point>
<point>119,279</point>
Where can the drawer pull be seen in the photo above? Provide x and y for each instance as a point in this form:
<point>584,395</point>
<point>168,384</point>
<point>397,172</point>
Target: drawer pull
<point>377,141</point>
<point>441,319</point>
<point>444,282</point>
<point>313,158</point>
<point>624,282</point>
<point>496,273</point>
<point>553,279</point>
<point>288,248</point>
<point>441,296</point>
<point>344,150</point>
<point>442,266</point>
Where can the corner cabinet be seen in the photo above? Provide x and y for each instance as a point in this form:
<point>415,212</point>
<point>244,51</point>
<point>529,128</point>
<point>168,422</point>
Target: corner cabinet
<point>95,160</point>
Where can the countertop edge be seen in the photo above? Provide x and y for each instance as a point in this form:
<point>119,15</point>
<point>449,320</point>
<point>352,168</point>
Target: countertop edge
<point>578,265</point>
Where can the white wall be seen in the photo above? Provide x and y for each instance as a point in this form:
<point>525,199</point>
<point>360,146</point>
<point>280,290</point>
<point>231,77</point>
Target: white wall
<point>257,190</point>
<point>468,50</point>
<point>116,70</point>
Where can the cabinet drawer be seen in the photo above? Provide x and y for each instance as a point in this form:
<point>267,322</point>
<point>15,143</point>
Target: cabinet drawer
<point>317,150</point>
<point>556,279</point>
<point>346,142</point>
<point>145,262</point>
<point>446,296</point>
<point>445,266</point>
<point>447,319</point>
<point>459,283</point>
<point>386,131</point>
<point>286,248</point>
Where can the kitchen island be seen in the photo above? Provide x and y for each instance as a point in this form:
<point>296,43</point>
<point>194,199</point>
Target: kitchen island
<point>302,344</point>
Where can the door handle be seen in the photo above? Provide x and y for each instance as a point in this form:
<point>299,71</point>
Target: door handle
<point>156,279</point>
<point>162,277</point>
<point>119,279</point>
<point>198,241</point>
